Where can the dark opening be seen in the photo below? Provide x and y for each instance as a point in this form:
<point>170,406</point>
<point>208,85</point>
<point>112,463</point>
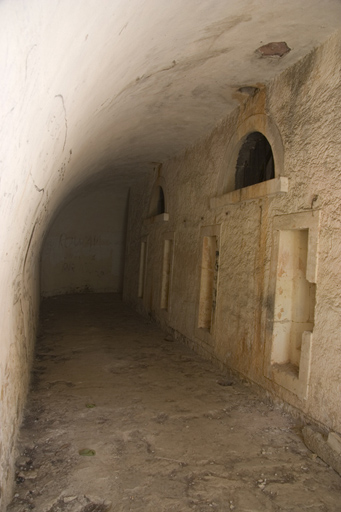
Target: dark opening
<point>160,208</point>
<point>255,161</point>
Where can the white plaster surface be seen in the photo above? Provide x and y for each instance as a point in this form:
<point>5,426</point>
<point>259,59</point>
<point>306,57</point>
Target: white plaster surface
<point>94,90</point>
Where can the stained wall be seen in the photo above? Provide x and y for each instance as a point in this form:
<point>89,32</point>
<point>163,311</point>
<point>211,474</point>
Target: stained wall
<point>84,248</point>
<point>92,93</point>
<point>299,113</point>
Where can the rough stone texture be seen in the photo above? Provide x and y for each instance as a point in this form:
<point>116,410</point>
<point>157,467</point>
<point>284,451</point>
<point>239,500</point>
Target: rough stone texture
<point>304,103</point>
<point>167,435</point>
<point>317,444</point>
<point>98,93</point>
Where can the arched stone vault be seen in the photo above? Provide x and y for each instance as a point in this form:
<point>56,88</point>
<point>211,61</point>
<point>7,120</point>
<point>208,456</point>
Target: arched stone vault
<point>95,92</point>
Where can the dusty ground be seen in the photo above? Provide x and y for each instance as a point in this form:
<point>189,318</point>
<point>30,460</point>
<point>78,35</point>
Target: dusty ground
<point>167,435</point>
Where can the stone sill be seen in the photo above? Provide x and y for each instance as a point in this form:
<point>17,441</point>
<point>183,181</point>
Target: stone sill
<point>204,335</point>
<point>296,379</point>
<point>163,217</point>
<point>265,189</point>
<point>287,379</point>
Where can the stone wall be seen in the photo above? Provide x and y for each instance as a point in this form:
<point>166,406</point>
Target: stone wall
<point>84,248</point>
<point>90,96</point>
<point>280,332</point>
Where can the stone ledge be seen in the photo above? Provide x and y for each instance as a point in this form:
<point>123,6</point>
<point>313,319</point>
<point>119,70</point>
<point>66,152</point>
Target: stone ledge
<point>296,382</point>
<point>334,441</point>
<point>163,217</point>
<point>265,189</point>
<point>317,444</point>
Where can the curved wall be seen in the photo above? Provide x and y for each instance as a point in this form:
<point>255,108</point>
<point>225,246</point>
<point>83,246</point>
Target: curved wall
<point>95,89</point>
<point>265,263</point>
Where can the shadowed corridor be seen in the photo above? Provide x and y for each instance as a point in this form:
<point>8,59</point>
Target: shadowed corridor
<point>164,430</point>
<point>186,157</point>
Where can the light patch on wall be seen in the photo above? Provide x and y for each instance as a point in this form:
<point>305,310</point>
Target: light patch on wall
<point>293,286</point>
<point>166,273</point>
<point>208,282</point>
<point>142,269</point>
<point>294,299</point>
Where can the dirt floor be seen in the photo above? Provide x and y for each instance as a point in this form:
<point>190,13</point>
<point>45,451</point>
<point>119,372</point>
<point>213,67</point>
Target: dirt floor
<point>121,419</point>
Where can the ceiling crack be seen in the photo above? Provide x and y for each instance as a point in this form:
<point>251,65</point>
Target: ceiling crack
<point>35,186</point>
<point>62,98</point>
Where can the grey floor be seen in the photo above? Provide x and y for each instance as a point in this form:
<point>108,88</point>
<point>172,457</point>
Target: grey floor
<point>120,419</point>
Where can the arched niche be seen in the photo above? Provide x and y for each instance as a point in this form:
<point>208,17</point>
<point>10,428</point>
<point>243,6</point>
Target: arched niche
<point>158,200</point>
<point>255,162</point>
<point>231,188</point>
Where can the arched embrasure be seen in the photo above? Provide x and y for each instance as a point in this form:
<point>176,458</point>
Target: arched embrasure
<point>255,162</point>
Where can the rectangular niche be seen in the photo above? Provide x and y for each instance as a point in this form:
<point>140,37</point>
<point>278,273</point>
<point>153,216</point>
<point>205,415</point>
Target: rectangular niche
<point>294,299</point>
<point>294,288</point>
<point>166,273</point>
<point>208,278</point>
<point>142,269</point>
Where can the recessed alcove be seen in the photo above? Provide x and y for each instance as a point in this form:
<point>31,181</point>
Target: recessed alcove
<point>158,204</point>
<point>293,286</point>
<point>294,299</point>
<point>142,268</point>
<point>209,266</point>
<point>253,164</point>
<point>167,260</point>
<point>209,249</point>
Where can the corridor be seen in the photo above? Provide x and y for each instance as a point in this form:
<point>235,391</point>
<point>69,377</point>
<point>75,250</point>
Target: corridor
<point>122,418</point>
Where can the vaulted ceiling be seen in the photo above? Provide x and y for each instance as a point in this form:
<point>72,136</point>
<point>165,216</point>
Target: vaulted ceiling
<point>122,83</point>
